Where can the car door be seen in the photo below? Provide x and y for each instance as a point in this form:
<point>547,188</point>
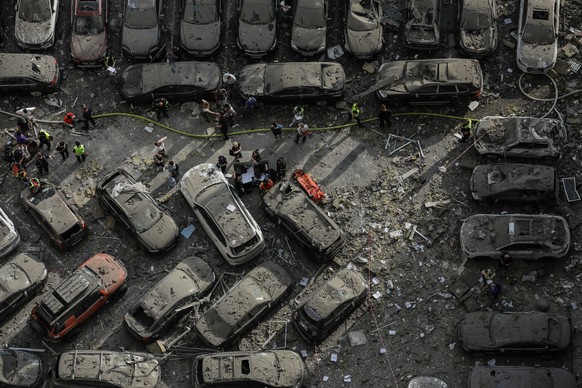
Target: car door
<point>117,211</point>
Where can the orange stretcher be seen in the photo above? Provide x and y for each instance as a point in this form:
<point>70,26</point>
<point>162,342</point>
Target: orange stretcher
<point>308,185</point>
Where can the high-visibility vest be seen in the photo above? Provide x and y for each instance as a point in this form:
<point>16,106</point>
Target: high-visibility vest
<point>79,150</point>
<point>355,110</point>
<point>45,134</point>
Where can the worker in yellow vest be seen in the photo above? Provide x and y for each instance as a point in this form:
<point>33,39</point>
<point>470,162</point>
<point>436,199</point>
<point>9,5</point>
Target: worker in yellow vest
<point>79,151</point>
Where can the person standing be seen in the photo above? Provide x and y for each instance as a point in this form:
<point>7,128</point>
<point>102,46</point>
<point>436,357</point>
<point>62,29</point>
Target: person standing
<point>70,119</point>
<point>236,151</point>
<point>384,116</point>
<point>45,139</point>
<point>63,149</point>
<point>277,130</point>
<point>79,151</point>
<point>281,168</point>
<point>230,113</point>
<point>229,80</point>
<point>250,105</point>
<point>88,117</point>
<point>42,164</point>
<point>238,185</point>
<point>302,132</point>
<point>27,119</point>
<point>160,106</point>
<point>221,95</point>
<point>159,161</point>
<point>206,112</point>
<point>355,114</point>
<point>223,125</point>
<point>173,169</point>
<point>466,131</point>
<point>255,157</point>
<point>298,112</point>
<point>222,163</point>
<point>266,184</point>
<point>161,146</point>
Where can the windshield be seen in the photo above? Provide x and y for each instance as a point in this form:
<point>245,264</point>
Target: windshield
<point>257,12</point>
<point>200,11</point>
<point>9,368</point>
<point>141,213</point>
<point>474,21</point>
<point>35,10</point>
<point>540,29</point>
<point>310,14</point>
<point>89,25</point>
<point>141,14</point>
<point>361,19</point>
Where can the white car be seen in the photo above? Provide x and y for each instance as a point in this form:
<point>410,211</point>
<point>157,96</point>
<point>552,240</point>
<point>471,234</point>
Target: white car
<point>537,37</point>
<point>35,23</point>
<point>9,237</point>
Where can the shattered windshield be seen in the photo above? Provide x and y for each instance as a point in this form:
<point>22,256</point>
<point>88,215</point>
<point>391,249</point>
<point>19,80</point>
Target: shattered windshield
<point>310,14</point>
<point>35,11</point>
<point>141,14</point>
<point>89,25</point>
<point>257,12</point>
<point>141,212</point>
<point>200,11</point>
<point>474,21</point>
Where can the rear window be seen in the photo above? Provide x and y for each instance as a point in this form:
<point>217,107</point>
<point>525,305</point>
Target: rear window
<point>45,193</point>
<point>70,232</point>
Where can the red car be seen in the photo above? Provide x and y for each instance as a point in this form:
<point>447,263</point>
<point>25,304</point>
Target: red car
<point>89,32</point>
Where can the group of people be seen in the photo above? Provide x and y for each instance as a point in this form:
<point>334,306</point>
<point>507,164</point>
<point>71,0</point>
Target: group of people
<point>71,120</point>
<point>160,155</point>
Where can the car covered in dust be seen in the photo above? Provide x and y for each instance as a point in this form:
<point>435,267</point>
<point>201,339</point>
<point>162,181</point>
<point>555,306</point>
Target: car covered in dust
<point>35,23</point>
<point>292,81</point>
<point>309,29</point>
<point>331,304</point>
<point>429,81</point>
<point>522,236</point>
<point>422,31</point>
<point>363,36</point>
<point>523,137</point>
<point>257,27</point>
<point>102,368</point>
<point>426,382</point>
<point>140,34</point>
<point>134,208</point>
<point>266,369</point>
<point>537,35</point>
<point>478,27</point>
<point>514,182</point>
<point>488,331</point>
<point>222,214</point>
<point>89,32</point>
<point>21,278</point>
<point>20,369</point>
<point>290,207</point>
<point>201,26</point>
<point>520,376</point>
<point>170,299</point>
<point>241,307</point>
<point>25,73</point>
<point>9,237</point>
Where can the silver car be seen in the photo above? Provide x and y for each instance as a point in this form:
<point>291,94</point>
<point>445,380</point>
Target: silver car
<point>537,35</point>
<point>520,376</point>
<point>523,236</point>
<point>9,237</point>
<point>222,214</point>
<point>309,30</point>
<point>200,26</point>
<point>140,36</point>
<point>257,27</point>
<point>363,34</point>
<point>35,23</point>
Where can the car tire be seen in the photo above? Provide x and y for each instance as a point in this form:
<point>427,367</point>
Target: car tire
<point>119,293</point>
<point>36,327</point>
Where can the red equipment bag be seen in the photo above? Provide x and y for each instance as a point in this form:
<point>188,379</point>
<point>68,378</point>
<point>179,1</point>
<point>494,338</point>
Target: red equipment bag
<point>308,185</point>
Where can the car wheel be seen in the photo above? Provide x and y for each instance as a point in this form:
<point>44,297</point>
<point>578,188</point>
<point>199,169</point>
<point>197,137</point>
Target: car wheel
<point>36,327</point>
<point>121,291</point>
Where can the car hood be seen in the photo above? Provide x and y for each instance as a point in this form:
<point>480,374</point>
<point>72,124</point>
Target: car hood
<point>200,38</point>
<point>162,234</point>
<point>364,43</point>
<point>257,37</point>
<point>539,56</point>
<point>252,80</point>
<point>27,370</point>
<point>33,33</point>
<point>32,270</point>
<point>140,41</point>
<point>478,42</point>
<point>88,48</point>
<point>308,39</point>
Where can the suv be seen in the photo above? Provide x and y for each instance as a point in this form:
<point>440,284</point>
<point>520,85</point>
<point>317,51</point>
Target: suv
<point>25,73</point>
<point>96,282</point>
<point>429,81</point>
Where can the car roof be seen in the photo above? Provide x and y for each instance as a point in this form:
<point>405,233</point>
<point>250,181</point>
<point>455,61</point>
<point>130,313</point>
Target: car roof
<point>205,75</point>
<point>127,370</point>
<point>19,273</point>
<point>520,376</point>
<point>53,208</point>
<point>495,178</point>
<point>281,76</point>
<point>509,130</point>
<point>39,67</point>
<point>132,202</point>
<point>68,291</point>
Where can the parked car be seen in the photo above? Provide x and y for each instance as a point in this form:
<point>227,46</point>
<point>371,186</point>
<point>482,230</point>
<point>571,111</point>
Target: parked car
<point>488,331</point>
<point>478,27</point>
<point>524,236</point>
<point>89,32</point>
<point>309,28</point>
<point>21,279</point>
<point>257,27</point>
<point>330,305</point>
<point>129,202</point>
<point>537,35</point>
<point>20,369</point>
<point>292,81</point>
<point>290,207</point>
<point>520,376</point>
<point>240,308</point>
<point>222,214</point>
<point>363,35</point>
<point>429,81</point>
<point>179,81</point>
<point>35,23</point>
<point>201,26</point>
<point>523,137</point>
<point>75,368</point>
<point>96,282</point>
<point>266,369</point>
<point>140,35</point>
<point>25,73</point>
<point>9,237</point>
<point>426,382</point>
<point>47,207</point>
<point>515,182</point>
<point>170,299</point>
<point>422,31</point>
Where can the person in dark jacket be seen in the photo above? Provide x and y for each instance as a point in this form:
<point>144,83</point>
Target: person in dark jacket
<point>281,168</point>
<point>236,151</point>
<point>42,164</point>
<point>384,116</point>
<point>223,124</point>
<point>88,117</point>
<point>63,149</point>
<point>160,106</point>
<point>222,163</point>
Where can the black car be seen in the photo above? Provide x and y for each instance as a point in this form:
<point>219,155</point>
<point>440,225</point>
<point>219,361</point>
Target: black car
<point>200,26</point>
<point>304,220</point>
<point>20,279</point>
<point>20,369</point>
<point>126,199</point>
<point>330,305</point>
<point>429,81</point>
<point>177,81</point>
<point>25,73</point>
<point>257,27</point>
